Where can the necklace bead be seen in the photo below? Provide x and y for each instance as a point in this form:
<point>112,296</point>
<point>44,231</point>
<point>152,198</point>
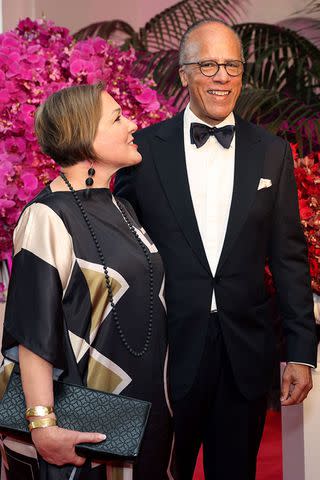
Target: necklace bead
<point>133,352</point>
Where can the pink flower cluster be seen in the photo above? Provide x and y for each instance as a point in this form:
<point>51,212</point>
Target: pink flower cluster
<point>37,59</point>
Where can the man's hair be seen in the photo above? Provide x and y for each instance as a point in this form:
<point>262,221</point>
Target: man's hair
<point>66,123</point>
<point>185,37</point>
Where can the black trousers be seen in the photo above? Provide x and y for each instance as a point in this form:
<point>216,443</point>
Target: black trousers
<point>214,413</point>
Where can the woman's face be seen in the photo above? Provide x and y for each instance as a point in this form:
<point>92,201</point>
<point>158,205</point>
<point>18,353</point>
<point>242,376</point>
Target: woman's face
<point>113,142</point>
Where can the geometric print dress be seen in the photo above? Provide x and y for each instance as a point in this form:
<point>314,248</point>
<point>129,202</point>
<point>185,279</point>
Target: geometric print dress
<point>58,307</point>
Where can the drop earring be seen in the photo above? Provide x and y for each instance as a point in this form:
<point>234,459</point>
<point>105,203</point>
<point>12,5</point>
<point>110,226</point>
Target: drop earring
<point>89,179</point>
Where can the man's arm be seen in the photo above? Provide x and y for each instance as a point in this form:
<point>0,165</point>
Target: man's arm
<point>289,265</point>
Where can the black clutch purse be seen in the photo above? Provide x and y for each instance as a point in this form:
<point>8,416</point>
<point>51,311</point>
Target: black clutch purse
<point>122,419</point>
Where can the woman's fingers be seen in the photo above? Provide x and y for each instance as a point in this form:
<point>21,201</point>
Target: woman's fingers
<point>89,437</point>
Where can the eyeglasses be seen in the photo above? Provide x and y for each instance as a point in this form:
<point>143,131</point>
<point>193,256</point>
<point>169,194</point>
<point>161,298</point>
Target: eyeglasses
<point>234,68</point>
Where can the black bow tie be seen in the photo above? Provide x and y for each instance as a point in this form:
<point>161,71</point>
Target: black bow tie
<point>199,134</point>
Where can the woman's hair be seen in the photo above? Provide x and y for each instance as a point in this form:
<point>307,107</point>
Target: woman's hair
<point>66,123</point>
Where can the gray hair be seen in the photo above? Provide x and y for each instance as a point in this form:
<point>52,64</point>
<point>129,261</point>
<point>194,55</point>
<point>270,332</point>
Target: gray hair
<point>194,26</point>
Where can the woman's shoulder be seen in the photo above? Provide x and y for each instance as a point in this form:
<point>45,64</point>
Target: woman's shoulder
<point>44,211</point>
<point>47,200</point>
<point>41,230</point>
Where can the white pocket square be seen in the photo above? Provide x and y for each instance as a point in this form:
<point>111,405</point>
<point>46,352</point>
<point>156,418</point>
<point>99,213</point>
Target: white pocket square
<point>264,183</point>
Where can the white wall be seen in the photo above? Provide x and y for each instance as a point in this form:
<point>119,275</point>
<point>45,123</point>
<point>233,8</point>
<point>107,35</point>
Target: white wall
<point>13,10</point>
<point>75,14</point>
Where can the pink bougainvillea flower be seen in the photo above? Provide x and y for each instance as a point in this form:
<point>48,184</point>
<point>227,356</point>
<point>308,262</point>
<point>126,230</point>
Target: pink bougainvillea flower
<point>26,114</point>
<point>15,145</point>
<point>6,169</point>
<point>149,99</point>
<point>4,97</point>
<point>99,45</point>
<point>81,67</point>
<point>4,203</point>
<point>30,181</point>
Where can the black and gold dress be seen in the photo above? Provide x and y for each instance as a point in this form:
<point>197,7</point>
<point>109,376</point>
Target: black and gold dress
<point>58,307</point>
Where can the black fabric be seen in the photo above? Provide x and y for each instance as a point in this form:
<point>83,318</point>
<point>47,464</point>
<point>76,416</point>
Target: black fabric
<point>25,316</point>
<point>227,424</point>
<point>200,133</point>
<point>17,466</point>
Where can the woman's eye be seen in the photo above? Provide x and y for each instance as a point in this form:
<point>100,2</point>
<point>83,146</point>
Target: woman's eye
<point>118,119</point>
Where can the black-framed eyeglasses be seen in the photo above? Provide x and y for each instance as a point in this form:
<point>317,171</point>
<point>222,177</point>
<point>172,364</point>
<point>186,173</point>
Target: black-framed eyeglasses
<point>210,68</point>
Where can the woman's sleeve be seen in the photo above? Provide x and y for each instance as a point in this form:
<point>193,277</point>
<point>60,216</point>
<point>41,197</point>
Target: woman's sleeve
<point>42,262</point>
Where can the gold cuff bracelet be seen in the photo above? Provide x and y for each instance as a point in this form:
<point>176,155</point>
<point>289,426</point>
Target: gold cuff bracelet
<point>38,411</point>
<point>43,423</point>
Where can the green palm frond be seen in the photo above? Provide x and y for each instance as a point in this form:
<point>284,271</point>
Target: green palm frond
<point>107,30</point>
<point>307,27</point>
<point>164,31</point>
<point>163,67</point>
<point>280,59</point>
<point>312,7</point>
<point>282,114</point>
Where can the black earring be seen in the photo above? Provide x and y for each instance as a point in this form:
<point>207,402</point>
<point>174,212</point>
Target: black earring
<point>89,180</point>
<point>91,172</point>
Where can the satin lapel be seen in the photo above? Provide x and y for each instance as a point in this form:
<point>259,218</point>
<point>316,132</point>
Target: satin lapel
<point>169,155</point>
<point>248,170</point>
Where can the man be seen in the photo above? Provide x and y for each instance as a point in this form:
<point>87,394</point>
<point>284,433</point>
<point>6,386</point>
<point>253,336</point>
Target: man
<point>217,204</point>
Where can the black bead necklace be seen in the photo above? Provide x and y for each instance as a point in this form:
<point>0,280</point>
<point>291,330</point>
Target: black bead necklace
<point>134,352</point>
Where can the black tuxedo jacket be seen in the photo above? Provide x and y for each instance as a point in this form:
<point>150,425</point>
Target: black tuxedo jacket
<point>262,224</point>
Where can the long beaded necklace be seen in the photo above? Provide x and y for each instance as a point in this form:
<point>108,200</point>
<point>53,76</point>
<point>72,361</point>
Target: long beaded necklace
<point>133,352</point>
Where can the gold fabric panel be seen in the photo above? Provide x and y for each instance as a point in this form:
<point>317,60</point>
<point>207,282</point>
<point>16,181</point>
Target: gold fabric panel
<point>98,294</point>
<point>102,378</point>
<point>5,376</point>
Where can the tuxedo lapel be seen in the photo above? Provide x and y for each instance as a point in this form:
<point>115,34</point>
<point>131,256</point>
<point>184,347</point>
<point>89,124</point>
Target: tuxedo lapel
<point>248,170</point>
<point>169,155</point>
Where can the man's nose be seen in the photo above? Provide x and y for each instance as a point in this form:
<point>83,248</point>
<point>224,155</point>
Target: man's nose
<point>221,75</point>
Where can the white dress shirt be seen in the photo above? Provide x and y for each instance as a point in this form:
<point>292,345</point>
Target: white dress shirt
<point>210,170</point>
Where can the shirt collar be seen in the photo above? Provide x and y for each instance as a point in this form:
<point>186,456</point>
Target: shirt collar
<point>190,117</point>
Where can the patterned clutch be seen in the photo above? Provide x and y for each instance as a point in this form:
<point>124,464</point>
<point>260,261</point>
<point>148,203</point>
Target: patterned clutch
<point>122,419</point>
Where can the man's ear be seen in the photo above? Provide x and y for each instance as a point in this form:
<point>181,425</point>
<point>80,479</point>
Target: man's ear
<point>183,77</point>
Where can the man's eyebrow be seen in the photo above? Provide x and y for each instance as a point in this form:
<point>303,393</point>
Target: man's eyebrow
<point>216,60</point>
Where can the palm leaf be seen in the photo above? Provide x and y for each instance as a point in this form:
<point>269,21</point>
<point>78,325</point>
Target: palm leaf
<point>282,115</point>
<point>280,59</point>
<point>164,31</point>
<point>308,28</point>
<point>109,30</point>
<point>312,7</point>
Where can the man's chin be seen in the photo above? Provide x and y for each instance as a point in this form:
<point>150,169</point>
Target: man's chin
<point>216,116</point>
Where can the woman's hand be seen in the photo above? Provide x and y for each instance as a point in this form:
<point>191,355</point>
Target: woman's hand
<point>57,445</point>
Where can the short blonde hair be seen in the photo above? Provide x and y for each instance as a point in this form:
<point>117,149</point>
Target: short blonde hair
<point>66,123</point>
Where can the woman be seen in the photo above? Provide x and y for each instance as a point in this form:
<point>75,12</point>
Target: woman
<point>85,300</point>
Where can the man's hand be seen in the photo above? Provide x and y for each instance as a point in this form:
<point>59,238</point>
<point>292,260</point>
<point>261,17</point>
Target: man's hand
<point>296,384</point>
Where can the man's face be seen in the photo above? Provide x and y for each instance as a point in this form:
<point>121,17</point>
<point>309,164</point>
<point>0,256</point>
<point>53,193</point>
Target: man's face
<point>211,98</point>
